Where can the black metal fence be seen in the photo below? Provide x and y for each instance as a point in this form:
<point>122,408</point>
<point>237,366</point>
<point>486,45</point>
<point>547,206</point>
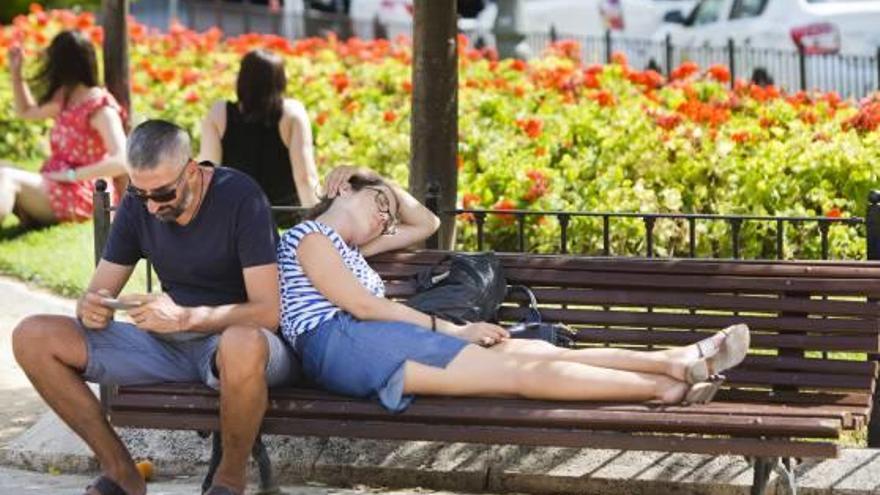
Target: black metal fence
<point>793,70</point>
<point>871,223</point>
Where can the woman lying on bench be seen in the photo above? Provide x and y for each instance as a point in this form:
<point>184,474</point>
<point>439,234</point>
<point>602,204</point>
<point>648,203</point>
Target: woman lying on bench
<point>353,341</point>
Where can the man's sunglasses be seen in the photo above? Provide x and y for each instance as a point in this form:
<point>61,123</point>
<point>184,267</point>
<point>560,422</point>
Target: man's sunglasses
<point>162,194</point>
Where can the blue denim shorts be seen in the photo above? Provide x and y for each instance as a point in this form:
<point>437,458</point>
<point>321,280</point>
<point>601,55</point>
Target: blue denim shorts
<point>122,354</point>
<point>365,358</point>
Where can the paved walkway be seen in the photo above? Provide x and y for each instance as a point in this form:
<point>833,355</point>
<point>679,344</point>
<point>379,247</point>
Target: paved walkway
<point>31,483</point>
<point>21,406</point>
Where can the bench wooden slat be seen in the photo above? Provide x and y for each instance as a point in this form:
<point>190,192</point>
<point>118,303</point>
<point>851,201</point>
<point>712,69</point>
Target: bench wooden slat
<point>763,268</point>
<point>696,300</point>
<point>493,435</point>
<point>759,341</point>
<point>679,320</point>
<point>464,413</point>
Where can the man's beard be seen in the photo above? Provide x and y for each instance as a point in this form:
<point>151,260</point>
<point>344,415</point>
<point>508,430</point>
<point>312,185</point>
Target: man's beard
<point>170,213</point>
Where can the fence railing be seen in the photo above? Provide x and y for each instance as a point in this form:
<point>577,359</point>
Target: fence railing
<point>871,223</point>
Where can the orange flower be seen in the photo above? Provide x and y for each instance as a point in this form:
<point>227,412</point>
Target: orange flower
<point>321,118</point>
<point>532,127</point>
<point>684,71</point>
<point>518,65</point>
<point>352,106</point>
<point>619,58</point>
<point>192,97</point>
<point>389,116</point>
<point>35,8</point>
<point>540,151</point>
<point>741,137</point>
<point>833,213</point>
<point>470,201</point>
<point>340,82</point>
<point>189,77</point>
<point>505,204</point>
<point>407,87</point>
<point>604,98</point>
<point>719,73</point>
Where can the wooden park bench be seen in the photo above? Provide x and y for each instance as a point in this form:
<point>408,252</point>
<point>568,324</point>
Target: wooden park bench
<point>810,378</point>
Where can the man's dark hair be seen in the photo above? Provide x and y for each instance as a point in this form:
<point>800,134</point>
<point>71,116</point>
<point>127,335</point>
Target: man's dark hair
<point>156,140</point>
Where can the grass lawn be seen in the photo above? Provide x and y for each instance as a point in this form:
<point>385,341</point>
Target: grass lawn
<point>59,258</point>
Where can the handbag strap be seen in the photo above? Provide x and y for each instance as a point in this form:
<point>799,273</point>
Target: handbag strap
<point>533,315</point>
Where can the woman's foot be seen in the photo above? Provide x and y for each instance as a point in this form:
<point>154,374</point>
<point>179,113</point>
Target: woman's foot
<point>687,394</point>
<point>717,353</point>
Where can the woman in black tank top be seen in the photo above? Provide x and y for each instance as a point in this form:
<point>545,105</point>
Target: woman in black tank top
<point>263,134</point>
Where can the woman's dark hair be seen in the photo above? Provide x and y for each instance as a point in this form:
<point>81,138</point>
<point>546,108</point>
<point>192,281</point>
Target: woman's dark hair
<point>357,183</point>
<point>260,87</point>
<point>69,60</point>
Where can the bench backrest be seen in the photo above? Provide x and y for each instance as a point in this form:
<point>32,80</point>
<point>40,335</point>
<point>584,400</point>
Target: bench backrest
<point>814,324</point>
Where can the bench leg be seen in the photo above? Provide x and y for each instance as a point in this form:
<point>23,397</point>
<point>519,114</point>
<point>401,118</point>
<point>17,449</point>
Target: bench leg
<point>784,468</point>
<point>216,454</point>
<point>260,455</point>
<point>264,463</point>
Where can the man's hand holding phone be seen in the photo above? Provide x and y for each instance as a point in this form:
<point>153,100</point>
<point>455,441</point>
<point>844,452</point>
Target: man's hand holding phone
<point>92,312</point>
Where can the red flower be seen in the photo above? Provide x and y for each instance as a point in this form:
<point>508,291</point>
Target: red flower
<point>667,122</point>
<point>741,137</point>
<point>321,118</point>
<point>189,76</point>
<point>619,58</point>
<point>518,65</point>
<point>340,82</point>
<point>505,204</point>
<point>389,116</point>
<point>470,201</point>
<point>833,213</point>
<point>532,127</point>
<point>539,186</point>
<point>407,86</point>
<point>720,73</point>
<point>192,97</point>
<point>684,71</point>
<point>604,98</point>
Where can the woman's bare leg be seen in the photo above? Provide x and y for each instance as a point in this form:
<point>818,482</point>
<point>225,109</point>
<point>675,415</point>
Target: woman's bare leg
<point>483,372</point>
<point>670,362</point>
<point>22,193</point>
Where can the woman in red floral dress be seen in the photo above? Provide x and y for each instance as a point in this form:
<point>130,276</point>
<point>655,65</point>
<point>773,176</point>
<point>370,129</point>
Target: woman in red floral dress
<point>87,140</point>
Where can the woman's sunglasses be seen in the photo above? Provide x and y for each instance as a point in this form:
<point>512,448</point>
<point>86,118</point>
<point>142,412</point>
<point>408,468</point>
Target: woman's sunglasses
<point>162,194</point>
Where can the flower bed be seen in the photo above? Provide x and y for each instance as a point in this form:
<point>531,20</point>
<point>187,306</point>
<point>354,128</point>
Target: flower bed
<point>549,134</point>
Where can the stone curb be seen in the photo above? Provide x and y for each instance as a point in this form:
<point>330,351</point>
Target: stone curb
<point>458,467</point>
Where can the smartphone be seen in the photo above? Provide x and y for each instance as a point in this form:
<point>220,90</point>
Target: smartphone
<point>119,304</point>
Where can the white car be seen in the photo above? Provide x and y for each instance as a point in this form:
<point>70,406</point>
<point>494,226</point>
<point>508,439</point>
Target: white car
<point>767,35</point>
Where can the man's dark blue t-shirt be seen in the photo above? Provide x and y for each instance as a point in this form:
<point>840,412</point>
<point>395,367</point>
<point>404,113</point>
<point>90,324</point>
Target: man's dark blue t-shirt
<point>200,264</point>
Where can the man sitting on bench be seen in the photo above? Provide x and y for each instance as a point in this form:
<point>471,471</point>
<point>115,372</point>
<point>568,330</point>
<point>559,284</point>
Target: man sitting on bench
<point>209,234</point>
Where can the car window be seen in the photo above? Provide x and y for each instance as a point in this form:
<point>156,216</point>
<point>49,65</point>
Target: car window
<point>707,12</point>
<point>743,9</point>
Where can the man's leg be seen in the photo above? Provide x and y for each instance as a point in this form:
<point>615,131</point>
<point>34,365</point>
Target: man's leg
<point>53,353</point>
<point>242,357</point>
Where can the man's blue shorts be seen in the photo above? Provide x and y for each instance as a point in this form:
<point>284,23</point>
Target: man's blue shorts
<point>122,354</point>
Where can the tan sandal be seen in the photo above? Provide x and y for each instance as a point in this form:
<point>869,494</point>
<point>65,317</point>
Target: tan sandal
<point>715,359</point>
<point>703,392</point>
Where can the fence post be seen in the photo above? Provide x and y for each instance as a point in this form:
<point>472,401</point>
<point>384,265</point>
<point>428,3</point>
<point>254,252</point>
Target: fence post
<point>607,46</point>
<point>872,236</point>
<point>802,67</point>
<point>432,202</point>
<point>668,45</point>
<point>554,37</point>
<point>877,60</point>
<point>872,225</point>
<point>731,60</point>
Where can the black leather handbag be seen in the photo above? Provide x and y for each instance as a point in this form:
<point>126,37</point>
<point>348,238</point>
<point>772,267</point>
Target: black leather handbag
<point>471,289</point>
<point>534,327</point>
